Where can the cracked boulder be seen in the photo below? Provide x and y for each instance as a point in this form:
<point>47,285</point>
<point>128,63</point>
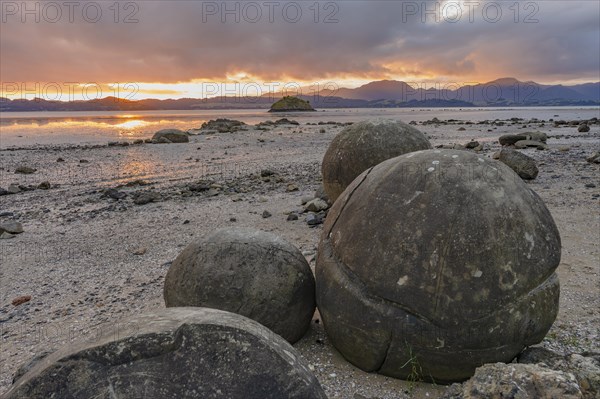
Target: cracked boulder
<point>246,271</point>
<point>363,145</point>
<point>434,263</point>
<point>174,353</point>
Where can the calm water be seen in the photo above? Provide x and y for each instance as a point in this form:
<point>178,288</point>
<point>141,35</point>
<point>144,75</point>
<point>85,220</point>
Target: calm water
<point>35,128</point>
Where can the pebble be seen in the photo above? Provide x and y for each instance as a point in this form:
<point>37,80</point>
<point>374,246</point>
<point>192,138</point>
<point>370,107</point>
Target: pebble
<point>45,185</point>
<point>313,219</point>
<point>292,216</point>
<point>11,227</point>
<point>21,300</point>
<point>25,170</point>
<point>140,251</point>
<point>266,214</point>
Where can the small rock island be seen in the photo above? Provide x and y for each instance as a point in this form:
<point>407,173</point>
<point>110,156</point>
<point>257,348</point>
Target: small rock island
<point>291,104</point>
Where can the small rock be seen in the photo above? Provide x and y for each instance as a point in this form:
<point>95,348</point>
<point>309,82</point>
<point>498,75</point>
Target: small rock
<point>115,194</point>
<point>3,192</point>
<point>266,172</point>
<point>530,143</point>
<point>45,185</point>
<point>213,192</point>
<point>84,161</point>
<point>60,160</point>
<point>199,187</point>
<point>313,219</point>
<point>143,198</point>
<point>14,189</point>
<point>320,193</point>
<point>583,128</point>
<point>292,216</point>
<point>6,236</point>
<point>461,129</point>
<point>25,170</point>
<point>291,187</point>
<point>140,251</point>
<point>585,367</point>
<point>316,205</point>
<point>472,144</point>
<point>11,227</point>
<point>590,185</point>
<point>595,158</point>
<point>523,165</point>
<point>21,300</point>
<point>266,214</point>
<point>171,136</point>
<point>500,380</point>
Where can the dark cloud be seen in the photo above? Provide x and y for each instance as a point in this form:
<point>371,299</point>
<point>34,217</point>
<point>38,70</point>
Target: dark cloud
<point>175,41</point>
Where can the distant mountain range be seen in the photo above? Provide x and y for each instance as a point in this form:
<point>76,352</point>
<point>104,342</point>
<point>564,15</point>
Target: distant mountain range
<point>378,94</point>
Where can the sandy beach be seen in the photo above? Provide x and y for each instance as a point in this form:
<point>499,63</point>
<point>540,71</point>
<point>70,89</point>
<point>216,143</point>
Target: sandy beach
<point>89,261</point>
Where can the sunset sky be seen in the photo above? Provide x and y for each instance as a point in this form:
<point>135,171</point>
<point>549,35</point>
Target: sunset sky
<point>174,49</point>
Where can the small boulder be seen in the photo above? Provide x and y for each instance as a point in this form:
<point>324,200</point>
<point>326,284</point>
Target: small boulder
<point>522,164</point>
<point>585,367</point>
<point>174,353</point>
<point>45,185</point>
<point>13,189</point>
<point>320,193</point>
<point>511,139</point>
<point>115,194</point>
<point>583,128</point>
<point>25,170</point>
<point>313,219</point>
<point>145,197</point>
<point>503,381</point>
<point>11,227</point>
<point>594,158</point>
<point>246,271</point>
<point>316,205</point>
<point>531,143</point>
<point>223,125</point>
<point>172,135</point>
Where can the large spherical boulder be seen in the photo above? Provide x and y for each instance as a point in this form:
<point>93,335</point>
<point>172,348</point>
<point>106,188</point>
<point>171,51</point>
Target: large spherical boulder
<point>434,263</point>
<point>174,353</point>
<point>363,145</point>
<point>246,271</point>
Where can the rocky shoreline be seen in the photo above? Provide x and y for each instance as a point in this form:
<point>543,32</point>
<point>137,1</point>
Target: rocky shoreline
<point>102,223</point>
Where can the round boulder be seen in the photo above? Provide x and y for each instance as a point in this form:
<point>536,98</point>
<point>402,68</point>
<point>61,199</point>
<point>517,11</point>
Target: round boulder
<point>363,145</point>
<point>174,353</point>
<point>436,262</point>
<point>246,271</point>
